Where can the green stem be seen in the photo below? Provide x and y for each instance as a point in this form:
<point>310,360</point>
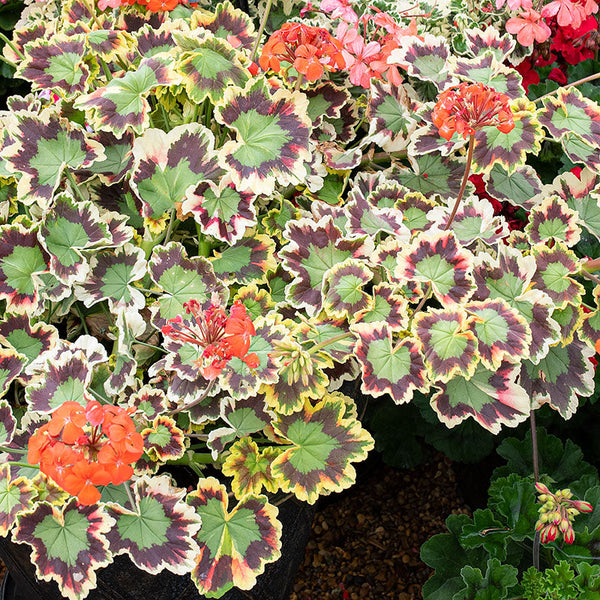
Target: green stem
<point>98,396</point>
<point>10,63</point>
<point>298,81</point>
<point>536,476</point>
<point>333,340</point>
<point>130,497</point>
<point>171,226</point>
<point>105,68</point>
<point>463,184</point>
<point>590,266</point>
<point>21,464</point>
<point>12,46</point>
<point>12,450</point>
<point>568,85</point>
<point>591,277</point>
<point>92,14</point>
<point>263,23</point>
<point>149,346</point>
<point>204,246</point>
<point>82,318</point>
<point>202,459</point>
<point>75,185</point>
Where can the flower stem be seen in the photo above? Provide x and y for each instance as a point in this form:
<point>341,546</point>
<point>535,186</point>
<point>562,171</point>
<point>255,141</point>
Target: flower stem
<point>149,346</point>
<point>568,85</point>
<point>261,28</point>
<point>12,46</point>
<point>74,185</point>
<point>298,81</point>
<point>463,184</point>
<point>332,340</point>
<point>130,497</point>
<point>424,299</point>
<point>12,450</point>
<point>197,401</point>
<point>536,476</point>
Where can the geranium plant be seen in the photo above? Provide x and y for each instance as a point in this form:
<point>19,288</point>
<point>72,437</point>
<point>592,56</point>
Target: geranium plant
<point>211,222</point>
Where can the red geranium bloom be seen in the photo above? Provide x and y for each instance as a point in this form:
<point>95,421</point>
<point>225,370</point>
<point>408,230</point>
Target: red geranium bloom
<point>469,107</point>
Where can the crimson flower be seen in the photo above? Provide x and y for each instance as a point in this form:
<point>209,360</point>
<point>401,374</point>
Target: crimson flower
<point>470,106</point>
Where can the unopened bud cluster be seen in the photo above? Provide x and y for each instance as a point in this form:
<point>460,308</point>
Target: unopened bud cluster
<point>296,363</point>
<point>557,514</point>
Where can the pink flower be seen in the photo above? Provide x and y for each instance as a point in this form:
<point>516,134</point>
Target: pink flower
<point>358,56</point>
<point>528,27</point>
<point>566,12</point>
<point>339,9</point>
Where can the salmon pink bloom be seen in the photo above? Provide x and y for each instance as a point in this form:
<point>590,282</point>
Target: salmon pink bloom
<point>339,9</point>
<point>470,106</point>
<point>566,13</point>
<point>529,28</point>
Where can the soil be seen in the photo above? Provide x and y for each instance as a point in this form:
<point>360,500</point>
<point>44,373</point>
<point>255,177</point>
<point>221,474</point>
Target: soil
<point>365,542</point>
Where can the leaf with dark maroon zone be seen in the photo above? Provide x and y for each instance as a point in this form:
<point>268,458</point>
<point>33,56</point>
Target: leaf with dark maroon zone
<point>70,228</point>
<point>69,544</point>
<point>580,151</point>
<point>517,187</point>
<point>561,377</point>
<point>590,328</point>
<point>229,23</point>
<point>390,115</point>
<point>183,357</point>
<point>238,378</point>
<point>395,368</point>
<point>553,220</point>
<point>313,249</point>
<point>122,104</point>
<point>364,218</point>
<point>323,330</point>
<point>432,174</point>
<point>447,344</point>
<point>243,417</point>
<point>111,277</point>
<point>65,379</point>
<point>151,41</point>
<point>182,392</point>
<point>509,150</point>
<point>209,69</point>
<point>492,398</point>
<point>16,496</point>
<point>489,71</point>
<point>234,545</point>
<point>248,260</point>
<point>251,468</point>
<point>118,160</point>
<point>163,440</point>
<point>21,258</point>
<point>438,259</point>
<point>46,145</point>
<point>272,131</point>
<point>157,532</point>
<point>11,366</point>
<point>27,340</point>
<point>182,279</point>
<point>388,307</point>
<point>122,373</point>
<point>427,140</point>
<point>325,99</point>
<point>568,111</point>
<point>169,166</point>
<point>426,58</point>
<point>501,332</point>
<point>474,220</point>
<point>324,444</point>
<point>57,63</point>
<point>571,320</point>
<point>148,400</point>
<point>554,265</point>
<point>344,295</point>
<point>222,211</point>
<point>481,41</point>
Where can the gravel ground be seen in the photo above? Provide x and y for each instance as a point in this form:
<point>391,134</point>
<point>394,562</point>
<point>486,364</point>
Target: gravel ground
<point>365,542</point>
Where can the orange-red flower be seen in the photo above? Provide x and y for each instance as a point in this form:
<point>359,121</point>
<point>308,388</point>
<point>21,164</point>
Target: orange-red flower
<point>221,337</point>
<point>310,50</point>
<point>83,447</point>
<point>470,106</point>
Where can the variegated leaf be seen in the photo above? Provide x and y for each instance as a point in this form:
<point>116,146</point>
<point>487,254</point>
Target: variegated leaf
<point>234,545</point>
<point>553,220</point>
<point>157,532</point>
<point>492,398</point>
<point>324,443</point>
<point>395,368</point>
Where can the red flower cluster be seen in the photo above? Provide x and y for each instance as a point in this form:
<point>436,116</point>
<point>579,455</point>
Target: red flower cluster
<point>469,107</point>
<point>557,514</point>
<point>310,50</point>
<point>80,448</point>
<point>222,337</point>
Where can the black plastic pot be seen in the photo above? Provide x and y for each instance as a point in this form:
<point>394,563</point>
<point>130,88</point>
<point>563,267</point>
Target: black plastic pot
<point>122,580</point>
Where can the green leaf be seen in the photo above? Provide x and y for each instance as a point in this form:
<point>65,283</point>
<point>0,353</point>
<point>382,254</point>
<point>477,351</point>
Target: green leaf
<point>495,584</point>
